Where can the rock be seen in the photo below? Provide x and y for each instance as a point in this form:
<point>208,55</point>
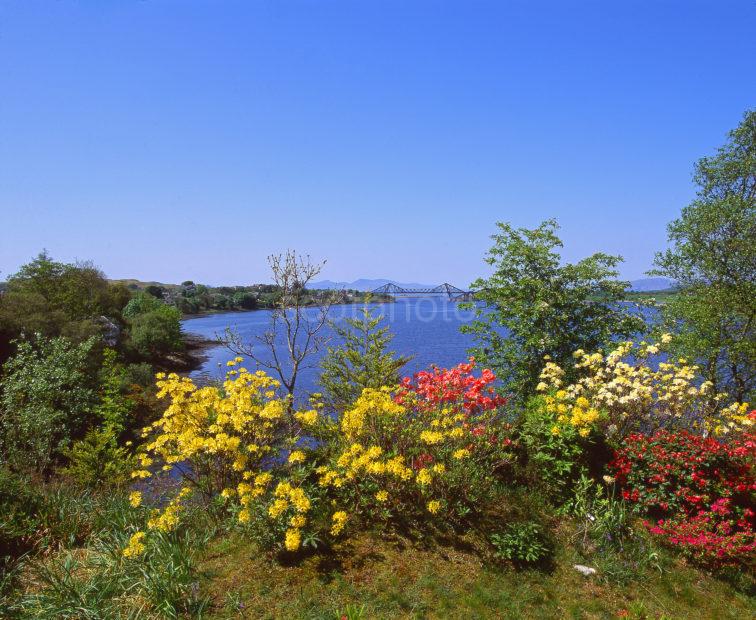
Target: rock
<point>585,570</point>
<point>111,332</point>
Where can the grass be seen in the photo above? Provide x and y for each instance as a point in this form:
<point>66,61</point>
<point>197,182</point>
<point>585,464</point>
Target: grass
<point>198,574</point>
<point>368,577</point>
<point>209,569</point>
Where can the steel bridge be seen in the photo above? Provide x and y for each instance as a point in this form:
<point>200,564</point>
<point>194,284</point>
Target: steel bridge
<point>451,291</point>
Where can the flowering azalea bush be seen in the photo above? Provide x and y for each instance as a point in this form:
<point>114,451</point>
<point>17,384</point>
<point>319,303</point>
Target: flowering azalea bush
<point>456,387</point>
<point>700,491</point>
<point>217,440</point>
<point>621,392</point>
<point>428,452</point>
<point>732,422</point>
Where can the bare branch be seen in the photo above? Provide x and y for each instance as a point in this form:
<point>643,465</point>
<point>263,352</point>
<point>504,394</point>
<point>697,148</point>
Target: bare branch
<point>291,326</point>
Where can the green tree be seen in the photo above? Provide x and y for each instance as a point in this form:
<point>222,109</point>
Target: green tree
<point>57,299</point>
<point>141,303</point>
<point>46,399</point>
<point>361,361</point>
<point>245,300</point>
<point>534,306</point>
<point>157,331</point>
<point>713,260</point>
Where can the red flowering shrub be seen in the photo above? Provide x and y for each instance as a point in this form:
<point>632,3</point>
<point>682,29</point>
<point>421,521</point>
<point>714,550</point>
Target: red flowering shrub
<point>700,490</point>
<point>473,401</point>
<point>455,386</point>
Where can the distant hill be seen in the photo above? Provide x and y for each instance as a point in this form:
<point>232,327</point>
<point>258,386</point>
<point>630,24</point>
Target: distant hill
<point>651,284</point>
<point>364,284</point>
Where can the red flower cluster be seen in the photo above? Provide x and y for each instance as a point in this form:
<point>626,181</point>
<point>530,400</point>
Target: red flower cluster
<point>701,490</point>
<point>457,385</point>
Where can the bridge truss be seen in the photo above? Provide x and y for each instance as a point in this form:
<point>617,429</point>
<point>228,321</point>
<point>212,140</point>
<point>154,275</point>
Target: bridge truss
<point>451,291</point>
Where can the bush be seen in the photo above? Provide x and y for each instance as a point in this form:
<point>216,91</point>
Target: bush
<point>403,460</point>
<point>46,400</point>
<point>157,332</point>
<point>556,455</point>
<point>217,440</point>
<point>98,462</point>
<point>522,544</point>
<point>700,492</point>
<point>622,392</point>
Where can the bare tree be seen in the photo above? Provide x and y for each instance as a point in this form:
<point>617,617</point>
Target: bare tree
<point>293,336</point>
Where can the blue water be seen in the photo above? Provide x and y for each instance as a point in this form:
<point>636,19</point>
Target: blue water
<point>426,329</point>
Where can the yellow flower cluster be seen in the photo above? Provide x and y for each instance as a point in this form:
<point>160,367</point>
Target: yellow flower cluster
<point>371,400</point>
<point>168,519</point>
<point>290,504</point>
<point>625,395</point>
<point>221,435</point>
<point>235,424</point>
<point>731,420</point>
<point>136,546</point>
<point>580,414</point>
<point>293,539</point>
<point>339,520</point>
<point>296,457</point>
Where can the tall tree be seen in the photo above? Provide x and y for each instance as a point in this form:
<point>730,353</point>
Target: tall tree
<point>713,259</point>
<point>294,334</point>
<point>534,306</point>
<point>362,360</point>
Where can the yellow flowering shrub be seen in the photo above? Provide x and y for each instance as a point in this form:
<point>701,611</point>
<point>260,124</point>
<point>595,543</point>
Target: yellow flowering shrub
<point>732,421</point>
<point>410,455</point>
<point>391,458</point>
<point>622,392</point>
<point>218,439</point>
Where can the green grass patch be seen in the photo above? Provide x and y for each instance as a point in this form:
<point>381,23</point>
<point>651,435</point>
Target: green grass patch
<point>369,577</point>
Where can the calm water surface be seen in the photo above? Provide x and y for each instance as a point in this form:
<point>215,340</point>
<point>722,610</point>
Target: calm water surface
<point>426,329</point>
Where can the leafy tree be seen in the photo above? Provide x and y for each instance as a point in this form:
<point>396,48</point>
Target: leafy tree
<point>57,299</point>
<point>713,259</point>
<point>141,303</point>
<point>247,301</point>
<point>155,327</point>
<point>534,306</point>
<point>156,332</point>
<point>361,361</point>
<point>46,399</point>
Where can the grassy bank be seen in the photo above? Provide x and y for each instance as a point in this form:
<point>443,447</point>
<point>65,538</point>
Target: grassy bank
<point>369,577</point>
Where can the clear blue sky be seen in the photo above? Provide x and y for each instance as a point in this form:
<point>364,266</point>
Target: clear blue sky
<point>174,140</point>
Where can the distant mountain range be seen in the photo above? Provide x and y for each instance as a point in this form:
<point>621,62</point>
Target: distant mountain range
<point>651,284</point>
<point>366,284</point>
